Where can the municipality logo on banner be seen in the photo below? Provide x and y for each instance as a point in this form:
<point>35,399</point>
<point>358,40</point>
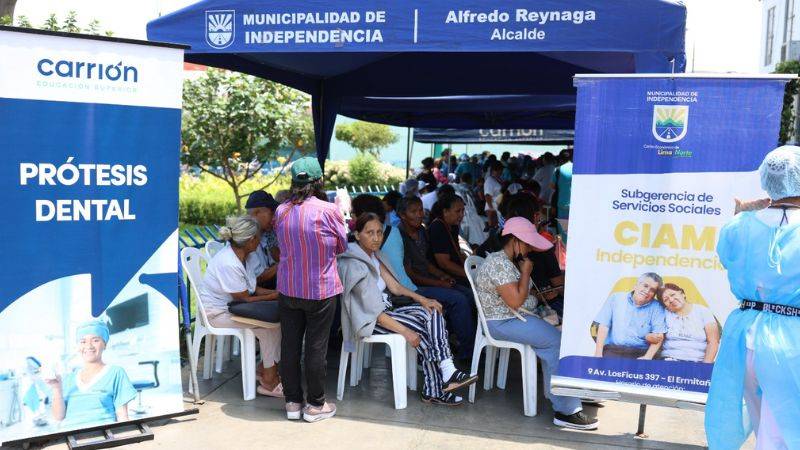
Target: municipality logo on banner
<point>220,28</point>
<point>670,122</point>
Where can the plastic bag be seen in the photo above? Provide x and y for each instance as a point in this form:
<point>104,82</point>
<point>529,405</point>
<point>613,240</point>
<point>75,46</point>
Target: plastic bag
<point>561,253</point>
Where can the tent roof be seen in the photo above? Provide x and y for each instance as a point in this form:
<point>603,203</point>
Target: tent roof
<point>429,62</point>
<point>589,35</point>
<point>465,112</point>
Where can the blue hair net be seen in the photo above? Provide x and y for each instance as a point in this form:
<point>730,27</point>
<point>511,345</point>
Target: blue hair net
<point>780,172</point>
<point>94,328</point>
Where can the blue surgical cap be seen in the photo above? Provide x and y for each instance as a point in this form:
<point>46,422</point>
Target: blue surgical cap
<point>780,172</point>
<point>94,328</point>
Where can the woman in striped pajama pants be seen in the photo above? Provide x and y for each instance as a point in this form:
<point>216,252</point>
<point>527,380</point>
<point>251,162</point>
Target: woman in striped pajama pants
<point>433,345</point>
<point>366,310</point>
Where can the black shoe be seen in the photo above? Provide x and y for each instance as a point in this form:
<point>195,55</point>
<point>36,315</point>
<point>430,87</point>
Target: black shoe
<point>463,363</point>
<point>447,399</point>
<point>577,421</point>
<point>458,380</point>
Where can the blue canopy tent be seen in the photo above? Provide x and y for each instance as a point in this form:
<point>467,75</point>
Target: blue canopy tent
<point>442,64</point>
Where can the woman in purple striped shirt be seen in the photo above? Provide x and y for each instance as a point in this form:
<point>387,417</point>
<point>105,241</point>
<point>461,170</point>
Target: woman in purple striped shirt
<point>310,232</point>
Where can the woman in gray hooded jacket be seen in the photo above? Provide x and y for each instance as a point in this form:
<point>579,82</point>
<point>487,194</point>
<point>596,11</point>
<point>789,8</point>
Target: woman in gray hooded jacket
<point>366,310</point>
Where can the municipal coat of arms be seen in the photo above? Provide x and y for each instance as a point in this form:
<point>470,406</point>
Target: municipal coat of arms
<point>220,28</point>
<point>670,122</point>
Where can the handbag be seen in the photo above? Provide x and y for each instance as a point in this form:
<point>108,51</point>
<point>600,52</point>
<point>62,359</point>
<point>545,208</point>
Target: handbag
<point>543,309</point>
<point>548,314</point>
<point>399,301</point>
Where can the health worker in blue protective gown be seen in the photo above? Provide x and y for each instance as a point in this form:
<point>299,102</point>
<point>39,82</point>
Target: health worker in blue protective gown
<point>759,358</point>
<point>95,393</point>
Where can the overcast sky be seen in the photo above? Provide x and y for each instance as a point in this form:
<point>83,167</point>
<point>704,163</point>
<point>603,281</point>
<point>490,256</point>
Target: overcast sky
<point>723,35</point>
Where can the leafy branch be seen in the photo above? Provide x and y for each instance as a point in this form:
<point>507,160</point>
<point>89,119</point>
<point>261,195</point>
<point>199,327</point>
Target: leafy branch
<point>233,124</point>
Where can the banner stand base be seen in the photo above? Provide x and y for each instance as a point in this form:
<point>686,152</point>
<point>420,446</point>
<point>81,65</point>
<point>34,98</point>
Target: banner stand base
<point>640,430</point>
<point>594,390</point>
<point>109,439</point>
<point>602,395</point>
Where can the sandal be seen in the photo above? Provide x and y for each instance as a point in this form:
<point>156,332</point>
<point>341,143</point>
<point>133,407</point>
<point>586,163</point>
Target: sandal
<point>458,380</point>
<point>447,399</point>
<point>275,392</point>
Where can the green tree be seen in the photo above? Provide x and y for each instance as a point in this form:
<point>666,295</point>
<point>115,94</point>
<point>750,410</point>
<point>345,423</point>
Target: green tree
<point>51,23</point>
<point>366,137</point>
<point>23,22</point>
<point>7,9</point>
<point>93,27</point>
<point>792,88</point>
<point>234,123</point>
<point>70,23</point>
<point>364,170</point>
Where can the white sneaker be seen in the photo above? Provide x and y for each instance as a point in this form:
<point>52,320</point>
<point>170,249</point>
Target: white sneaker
<point>293,410</point>
<point>317,413</point>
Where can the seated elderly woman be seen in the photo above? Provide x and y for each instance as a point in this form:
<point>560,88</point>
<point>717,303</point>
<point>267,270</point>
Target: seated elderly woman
<point>229,288</point>
<point>366,310</point>
<point>457,301</point>
<point>503,284</point>
<point>692,332</point>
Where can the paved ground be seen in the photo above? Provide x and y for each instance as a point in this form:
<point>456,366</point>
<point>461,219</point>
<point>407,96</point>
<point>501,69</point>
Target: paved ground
<point>367,419</point>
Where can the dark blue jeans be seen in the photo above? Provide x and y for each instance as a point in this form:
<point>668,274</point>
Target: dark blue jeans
<point>458,306</point>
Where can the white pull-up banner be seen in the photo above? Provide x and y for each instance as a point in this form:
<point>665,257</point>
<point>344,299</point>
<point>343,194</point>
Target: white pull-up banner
<point>89,143</point>
<point>659,161</point>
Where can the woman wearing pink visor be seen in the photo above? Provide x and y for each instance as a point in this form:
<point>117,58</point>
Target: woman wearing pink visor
<point>503,284</point>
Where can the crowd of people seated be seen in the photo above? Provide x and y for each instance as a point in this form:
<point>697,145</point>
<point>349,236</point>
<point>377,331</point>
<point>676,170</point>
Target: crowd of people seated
<point>397,266</point>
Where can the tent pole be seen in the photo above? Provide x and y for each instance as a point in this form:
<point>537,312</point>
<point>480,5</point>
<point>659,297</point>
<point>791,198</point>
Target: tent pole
<point>321,125</point>
<point>408,152</point>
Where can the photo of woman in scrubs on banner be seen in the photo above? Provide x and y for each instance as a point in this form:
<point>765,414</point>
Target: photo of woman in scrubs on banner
<point>95,393</point>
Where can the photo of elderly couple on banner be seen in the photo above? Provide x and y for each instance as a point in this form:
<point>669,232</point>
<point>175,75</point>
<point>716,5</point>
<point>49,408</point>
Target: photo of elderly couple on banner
<point>657,318</point>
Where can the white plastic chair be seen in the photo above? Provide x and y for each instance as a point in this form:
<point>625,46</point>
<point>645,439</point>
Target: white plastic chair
<point>484,339</point>
<point>190,261</point>
<point>224,351</point>
<point>213,247</point>
<point>365,349</point>
<point>404,365</point>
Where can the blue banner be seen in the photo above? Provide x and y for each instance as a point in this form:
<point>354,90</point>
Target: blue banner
<point>666,125</point>
<point>238,26</point>
<point>89,187</point>
<point>95,197</point>
<point>658,164</point>
<point>489,135</point>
